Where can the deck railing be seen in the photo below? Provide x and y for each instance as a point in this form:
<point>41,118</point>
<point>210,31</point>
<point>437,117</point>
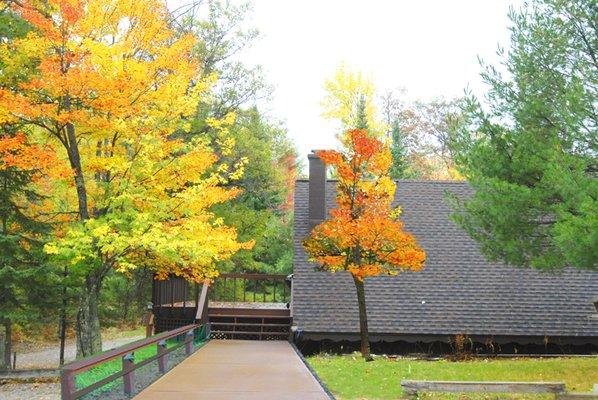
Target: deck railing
<point>183,336</point>
<point>247,287</point>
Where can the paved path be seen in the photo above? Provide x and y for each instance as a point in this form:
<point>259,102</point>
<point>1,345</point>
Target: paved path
<point>238,369</point>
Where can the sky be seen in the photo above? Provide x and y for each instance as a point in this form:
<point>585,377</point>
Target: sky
<point>428,47</point>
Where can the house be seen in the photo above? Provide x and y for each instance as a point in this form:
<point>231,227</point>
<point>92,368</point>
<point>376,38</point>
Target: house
<point>459,292</point>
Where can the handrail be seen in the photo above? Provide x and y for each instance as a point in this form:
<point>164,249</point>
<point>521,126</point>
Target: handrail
<point>67,379</point>
<point>90,362</point>
<point>254,276</point>
<point>126,353</point>
<point>261,286</point>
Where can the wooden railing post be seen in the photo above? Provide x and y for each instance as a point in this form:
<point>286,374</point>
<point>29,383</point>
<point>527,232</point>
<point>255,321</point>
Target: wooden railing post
<point>67,385</point>
<point>69,372</point>
<point>201,315</point>
<point>265,288</point>
<point>129,372</point>
<point>189,342</point>
<point>162,356</point>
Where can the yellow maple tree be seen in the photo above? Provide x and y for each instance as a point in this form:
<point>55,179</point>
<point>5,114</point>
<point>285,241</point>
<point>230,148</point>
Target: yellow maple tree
<point>111,90</point>
<point>350,99</point>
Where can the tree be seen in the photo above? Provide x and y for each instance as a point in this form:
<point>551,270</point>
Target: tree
<point>529,150</point>
<point>421,132</point>
<point>400,168</point>
<point>350,100</point>
<point>364,235</point>
<point>220,37</point>
<point>105,89</point>
<point>26,279</point>
<point>262,210</point>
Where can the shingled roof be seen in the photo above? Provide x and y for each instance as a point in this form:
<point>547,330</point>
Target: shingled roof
<point>458,292</point>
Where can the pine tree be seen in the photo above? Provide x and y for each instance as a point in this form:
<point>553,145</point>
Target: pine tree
<point>360,114</point>
<point>400,162</point>
<point>530,151</point>
<point>25,277</point>
<point>26,290</point>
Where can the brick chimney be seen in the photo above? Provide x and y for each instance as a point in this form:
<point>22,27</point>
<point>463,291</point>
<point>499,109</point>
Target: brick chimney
<point>317,190</point>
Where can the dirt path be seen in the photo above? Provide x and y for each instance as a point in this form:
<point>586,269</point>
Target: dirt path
<point>48,356</point>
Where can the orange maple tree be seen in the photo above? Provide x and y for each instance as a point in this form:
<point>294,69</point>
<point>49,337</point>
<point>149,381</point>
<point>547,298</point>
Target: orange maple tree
<point>363,235</point>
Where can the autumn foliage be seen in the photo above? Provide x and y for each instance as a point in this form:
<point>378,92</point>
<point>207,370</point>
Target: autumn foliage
<point>109,83</point>
<point>364,234</point>
<point>16,152</point>
<point>106,90</point>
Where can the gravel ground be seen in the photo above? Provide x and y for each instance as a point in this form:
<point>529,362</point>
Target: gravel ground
<point>30,391</point>
<point>46,358</point>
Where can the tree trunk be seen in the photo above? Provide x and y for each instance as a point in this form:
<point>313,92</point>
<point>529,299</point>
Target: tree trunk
<point>75,161</point>
<point>7,343</point>
<point>363,320</point>
<point>88,323</point>
<point>89,340</point>
<point>63,321</point>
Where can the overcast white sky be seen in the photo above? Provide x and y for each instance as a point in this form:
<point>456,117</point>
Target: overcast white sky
<point>428,47</point>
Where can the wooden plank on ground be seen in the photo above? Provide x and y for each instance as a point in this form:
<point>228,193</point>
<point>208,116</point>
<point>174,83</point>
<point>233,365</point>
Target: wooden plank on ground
<point>412,387</point>
<point>577,396</point>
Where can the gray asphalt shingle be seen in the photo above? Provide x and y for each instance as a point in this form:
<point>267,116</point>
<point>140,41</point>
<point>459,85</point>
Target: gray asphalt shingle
<point>457,292</point>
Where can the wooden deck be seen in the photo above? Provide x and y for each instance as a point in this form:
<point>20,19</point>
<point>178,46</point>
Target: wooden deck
<point>238,369</point>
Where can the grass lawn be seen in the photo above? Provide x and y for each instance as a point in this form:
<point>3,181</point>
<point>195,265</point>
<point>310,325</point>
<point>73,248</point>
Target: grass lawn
<point>101,371</point>
<point>349,377</point>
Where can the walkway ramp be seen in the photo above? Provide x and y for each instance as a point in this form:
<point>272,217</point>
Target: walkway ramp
<point>238,369</point>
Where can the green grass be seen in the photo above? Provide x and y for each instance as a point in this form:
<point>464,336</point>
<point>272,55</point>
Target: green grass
<point>349,377</point>
<point>101,371</point>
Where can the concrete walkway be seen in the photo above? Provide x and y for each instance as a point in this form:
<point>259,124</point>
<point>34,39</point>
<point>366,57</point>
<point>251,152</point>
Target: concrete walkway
<point>238,369</point>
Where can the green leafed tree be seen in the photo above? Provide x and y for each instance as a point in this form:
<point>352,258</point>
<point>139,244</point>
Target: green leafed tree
<point>400,167</point>
<point>530,148</point>
<point>263,209</point>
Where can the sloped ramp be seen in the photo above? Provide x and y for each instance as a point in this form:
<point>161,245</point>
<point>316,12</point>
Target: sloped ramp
<point>238,369</point>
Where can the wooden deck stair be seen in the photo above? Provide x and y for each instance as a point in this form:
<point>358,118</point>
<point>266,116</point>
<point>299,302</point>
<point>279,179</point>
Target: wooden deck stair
<point>250,324</point>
